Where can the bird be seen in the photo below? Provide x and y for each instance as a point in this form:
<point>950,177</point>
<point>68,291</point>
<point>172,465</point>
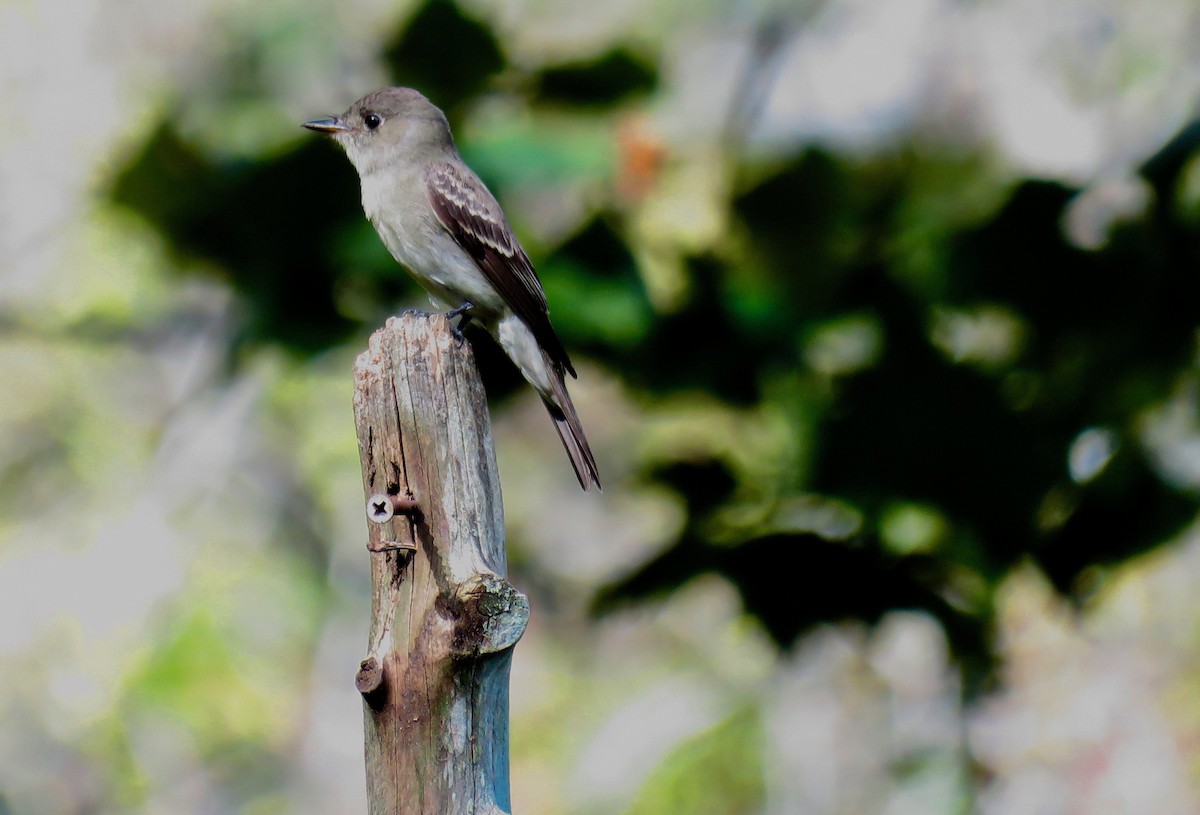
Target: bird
<point>440,221</point>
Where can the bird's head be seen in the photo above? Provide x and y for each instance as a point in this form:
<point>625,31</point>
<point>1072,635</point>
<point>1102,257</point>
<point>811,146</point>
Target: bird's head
<point>376,129</point>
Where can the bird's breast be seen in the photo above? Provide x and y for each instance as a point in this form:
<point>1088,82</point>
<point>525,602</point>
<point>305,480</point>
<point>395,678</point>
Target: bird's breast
<point>408,227</point>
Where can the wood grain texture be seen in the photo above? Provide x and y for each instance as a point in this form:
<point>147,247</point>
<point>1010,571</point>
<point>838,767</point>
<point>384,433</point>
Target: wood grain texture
<point>444,618</point>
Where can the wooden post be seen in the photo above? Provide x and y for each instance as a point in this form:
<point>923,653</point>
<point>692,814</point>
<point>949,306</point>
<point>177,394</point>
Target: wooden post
<point>444,618</point>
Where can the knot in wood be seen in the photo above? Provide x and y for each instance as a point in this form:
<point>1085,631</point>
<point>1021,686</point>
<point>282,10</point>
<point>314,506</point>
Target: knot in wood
<point>491,616</point>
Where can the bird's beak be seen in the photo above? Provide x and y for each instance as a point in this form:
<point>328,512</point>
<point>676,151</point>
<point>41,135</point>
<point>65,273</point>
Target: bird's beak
<point>331,125</point>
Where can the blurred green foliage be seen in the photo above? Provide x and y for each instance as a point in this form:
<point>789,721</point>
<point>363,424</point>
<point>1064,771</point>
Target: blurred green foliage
<point>718,772</point>
<point>909,463</point>
<point>445,52</point>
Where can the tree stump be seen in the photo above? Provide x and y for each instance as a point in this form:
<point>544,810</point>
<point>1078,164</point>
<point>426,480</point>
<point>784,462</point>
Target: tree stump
<point>444,618</point>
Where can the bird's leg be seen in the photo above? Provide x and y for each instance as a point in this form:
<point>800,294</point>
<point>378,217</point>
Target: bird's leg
<point>463,311</point>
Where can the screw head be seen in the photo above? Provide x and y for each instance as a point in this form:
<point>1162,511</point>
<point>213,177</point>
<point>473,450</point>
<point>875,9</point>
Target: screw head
<point>379,508</point>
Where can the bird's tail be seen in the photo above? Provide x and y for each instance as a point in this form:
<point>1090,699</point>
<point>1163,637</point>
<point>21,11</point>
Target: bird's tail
<point>566,421</point>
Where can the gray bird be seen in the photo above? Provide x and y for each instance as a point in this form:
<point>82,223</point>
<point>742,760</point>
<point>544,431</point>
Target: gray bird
<point>439,220</point>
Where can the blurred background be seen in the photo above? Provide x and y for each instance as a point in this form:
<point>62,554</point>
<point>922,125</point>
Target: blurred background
<point>886,320</point>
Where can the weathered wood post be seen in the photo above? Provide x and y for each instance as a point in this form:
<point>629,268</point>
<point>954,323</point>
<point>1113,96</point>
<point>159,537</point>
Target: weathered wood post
<point>444,618</point>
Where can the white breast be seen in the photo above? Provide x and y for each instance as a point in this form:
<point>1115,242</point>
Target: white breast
<point>406,224</point>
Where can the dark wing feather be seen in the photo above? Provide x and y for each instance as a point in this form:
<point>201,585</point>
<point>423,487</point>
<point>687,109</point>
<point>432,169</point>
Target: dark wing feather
<point>469,212</point>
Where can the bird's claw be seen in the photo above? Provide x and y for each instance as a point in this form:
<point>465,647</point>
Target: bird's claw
<point>463,311</point>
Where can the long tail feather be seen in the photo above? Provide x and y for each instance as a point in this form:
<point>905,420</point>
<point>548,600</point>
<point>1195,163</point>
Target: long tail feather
<point>566,421</point>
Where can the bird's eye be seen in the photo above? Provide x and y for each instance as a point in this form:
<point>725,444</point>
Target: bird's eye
<point>372,120</point>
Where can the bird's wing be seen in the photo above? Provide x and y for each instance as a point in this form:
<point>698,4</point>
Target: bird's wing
<point>469,213</point>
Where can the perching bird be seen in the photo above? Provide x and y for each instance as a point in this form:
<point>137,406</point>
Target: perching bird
<point>439,220</point>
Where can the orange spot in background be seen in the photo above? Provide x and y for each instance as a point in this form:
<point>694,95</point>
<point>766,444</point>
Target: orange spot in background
<point>641,155</point>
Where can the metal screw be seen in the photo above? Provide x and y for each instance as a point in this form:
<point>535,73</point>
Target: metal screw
<point>379,508</point>
<point>382,508</point>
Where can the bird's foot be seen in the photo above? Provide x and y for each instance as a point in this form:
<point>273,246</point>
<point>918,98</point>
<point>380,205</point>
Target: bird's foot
<point>463,311</point>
